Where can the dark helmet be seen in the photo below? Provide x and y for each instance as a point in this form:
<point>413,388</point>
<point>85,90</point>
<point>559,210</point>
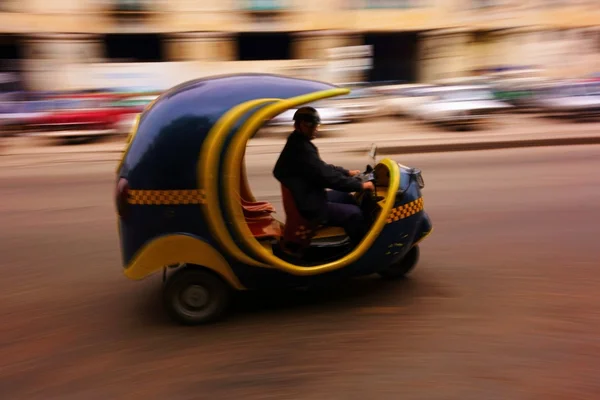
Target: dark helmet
<point>307,114</point>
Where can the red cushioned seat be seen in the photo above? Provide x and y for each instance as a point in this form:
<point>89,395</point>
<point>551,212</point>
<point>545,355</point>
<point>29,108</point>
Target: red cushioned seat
<point>297,231</point>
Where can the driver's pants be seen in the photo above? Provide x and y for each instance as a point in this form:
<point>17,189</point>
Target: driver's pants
<point>344,212</point>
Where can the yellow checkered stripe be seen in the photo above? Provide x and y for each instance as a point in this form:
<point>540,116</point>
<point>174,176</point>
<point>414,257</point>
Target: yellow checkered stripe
<point>167,197</point>
<point>405,210</point>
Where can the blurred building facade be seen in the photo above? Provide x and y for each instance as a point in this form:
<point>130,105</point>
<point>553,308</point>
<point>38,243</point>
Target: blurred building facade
<point>56,44</point>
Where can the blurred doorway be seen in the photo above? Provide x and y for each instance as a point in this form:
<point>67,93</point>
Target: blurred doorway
<point>10,53</point>
<point>124,47</point>
<point>395,56</point>
<point>12,84</point>
<point>264,46</point>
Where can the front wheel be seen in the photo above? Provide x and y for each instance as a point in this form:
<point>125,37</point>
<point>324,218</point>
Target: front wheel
<point>402,267</point>
<point>193,296</point>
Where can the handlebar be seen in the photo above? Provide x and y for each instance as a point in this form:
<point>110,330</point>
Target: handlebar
<point>366,177</point>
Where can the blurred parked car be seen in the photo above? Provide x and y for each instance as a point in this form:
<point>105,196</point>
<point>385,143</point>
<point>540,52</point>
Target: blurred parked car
<point>572,99</point>
<point>402,100</point>
<point>459,106</point>
<point>88,114</point>
<point>15,116</point>
<point>134,106</point>
<point>519,92</point>
<point>331,114</point>
<point>359,104</point>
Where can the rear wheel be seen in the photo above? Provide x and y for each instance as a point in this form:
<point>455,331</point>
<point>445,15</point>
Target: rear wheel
<point>193,296</point>
<point>402,267</point>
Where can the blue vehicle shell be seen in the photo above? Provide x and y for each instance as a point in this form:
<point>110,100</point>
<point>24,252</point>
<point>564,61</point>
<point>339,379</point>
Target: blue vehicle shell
<point>185,206</point>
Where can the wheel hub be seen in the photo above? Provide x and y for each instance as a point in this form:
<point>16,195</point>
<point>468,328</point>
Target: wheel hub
<point>195,296</point>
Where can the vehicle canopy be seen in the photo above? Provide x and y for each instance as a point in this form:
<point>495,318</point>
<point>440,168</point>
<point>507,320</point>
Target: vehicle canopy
<point>166,142</point>
<point>187,148</point>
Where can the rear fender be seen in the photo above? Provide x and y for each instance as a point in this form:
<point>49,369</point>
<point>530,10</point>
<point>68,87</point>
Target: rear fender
<point>179,249</point>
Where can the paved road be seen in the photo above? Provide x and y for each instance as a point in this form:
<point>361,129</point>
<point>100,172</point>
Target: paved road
<point>505,303</point>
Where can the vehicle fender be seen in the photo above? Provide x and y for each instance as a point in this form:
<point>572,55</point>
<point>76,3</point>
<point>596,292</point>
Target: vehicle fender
<point>174,249</point>
<point>424,230</point>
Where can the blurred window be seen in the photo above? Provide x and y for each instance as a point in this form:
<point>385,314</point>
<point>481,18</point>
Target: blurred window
<point>134,47</point>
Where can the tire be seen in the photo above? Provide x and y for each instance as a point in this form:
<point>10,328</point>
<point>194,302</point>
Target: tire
<point>193,296</point>
<point>403,267</point>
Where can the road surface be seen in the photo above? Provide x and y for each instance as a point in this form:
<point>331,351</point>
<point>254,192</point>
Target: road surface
<point>505,303</point>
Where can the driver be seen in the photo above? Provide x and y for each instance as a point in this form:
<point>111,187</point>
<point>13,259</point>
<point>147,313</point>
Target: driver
<point>301,170</point>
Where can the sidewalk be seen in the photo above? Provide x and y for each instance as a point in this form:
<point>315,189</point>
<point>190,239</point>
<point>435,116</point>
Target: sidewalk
<point>403,137</point>
<point>357,138</point>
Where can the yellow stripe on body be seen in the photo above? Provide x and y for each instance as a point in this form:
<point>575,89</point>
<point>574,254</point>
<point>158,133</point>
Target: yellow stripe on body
<point>236,152</point>
<point>208,178</point>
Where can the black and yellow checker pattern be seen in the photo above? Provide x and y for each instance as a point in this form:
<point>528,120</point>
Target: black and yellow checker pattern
<point>405,210</point>
<point>166,197</point>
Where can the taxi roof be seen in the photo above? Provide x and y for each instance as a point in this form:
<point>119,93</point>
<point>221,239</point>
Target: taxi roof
<point>165,148</point>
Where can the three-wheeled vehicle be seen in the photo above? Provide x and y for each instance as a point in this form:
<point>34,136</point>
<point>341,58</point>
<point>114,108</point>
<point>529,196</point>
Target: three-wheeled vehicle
<point>185,206</point>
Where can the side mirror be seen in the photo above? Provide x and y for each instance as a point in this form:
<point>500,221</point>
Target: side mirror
<point>373,153</point>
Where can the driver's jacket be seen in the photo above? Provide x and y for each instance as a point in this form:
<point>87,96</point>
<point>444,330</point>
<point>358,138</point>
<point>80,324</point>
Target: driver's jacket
<point>301,170</point>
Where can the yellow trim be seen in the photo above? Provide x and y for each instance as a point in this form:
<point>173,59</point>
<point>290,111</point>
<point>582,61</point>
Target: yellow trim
<point>423,237</point>
<point>177,249</point>
<point>133,131</point>
<point>208,178</point>
<point>151,104</point>
<point>361,249</point>
<point>209,160</point>
<point>246,185</point>
<point>130,137</point>
<point>232,181</point>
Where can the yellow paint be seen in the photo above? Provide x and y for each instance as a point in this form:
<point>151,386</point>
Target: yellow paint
<point>423,237</point>
<point>329,231</point>
<point>208,178</point>
<point>177,249</point>
<point>231,180</point>
<point>151,104</point>
<point>267,245</point>
<point>245,185</point>
<point>130,138</point>
<point>134,129</point>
